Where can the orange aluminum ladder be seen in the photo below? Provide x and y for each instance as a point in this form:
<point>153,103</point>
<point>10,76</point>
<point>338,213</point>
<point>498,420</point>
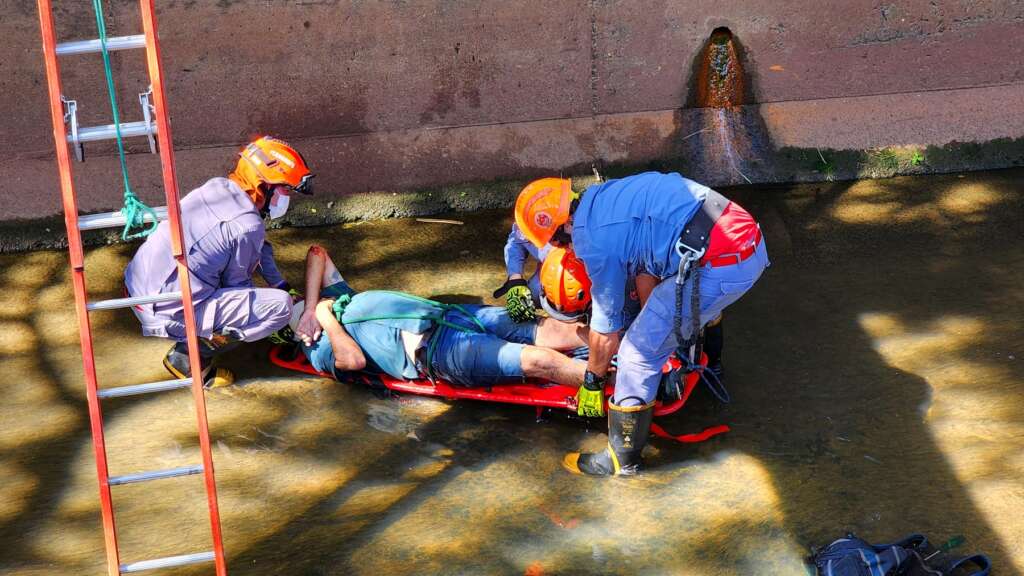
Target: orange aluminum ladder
<point>75,224</point>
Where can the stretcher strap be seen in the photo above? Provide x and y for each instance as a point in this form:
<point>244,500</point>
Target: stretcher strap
<point>690,438</point>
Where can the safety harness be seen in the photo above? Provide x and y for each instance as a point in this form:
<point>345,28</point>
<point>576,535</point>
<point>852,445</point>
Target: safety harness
<point>691,246</point>
<point>440,310</point>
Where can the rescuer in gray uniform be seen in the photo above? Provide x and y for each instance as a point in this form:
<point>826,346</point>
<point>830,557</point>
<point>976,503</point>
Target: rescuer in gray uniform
<point>225,244</point>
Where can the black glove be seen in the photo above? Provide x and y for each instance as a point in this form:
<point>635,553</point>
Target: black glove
<point>508,285</point>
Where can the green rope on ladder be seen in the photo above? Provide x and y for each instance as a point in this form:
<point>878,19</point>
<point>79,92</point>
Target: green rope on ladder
<point>134,210</point>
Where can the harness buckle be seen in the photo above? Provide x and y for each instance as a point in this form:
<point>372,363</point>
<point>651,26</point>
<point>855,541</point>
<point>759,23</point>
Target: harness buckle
<point>685,250</point>
<point>687,256</point>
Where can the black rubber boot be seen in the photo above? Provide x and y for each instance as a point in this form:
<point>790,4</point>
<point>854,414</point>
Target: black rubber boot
<point>714,341</point>
<point>176,360</point>
<point>628,429</point>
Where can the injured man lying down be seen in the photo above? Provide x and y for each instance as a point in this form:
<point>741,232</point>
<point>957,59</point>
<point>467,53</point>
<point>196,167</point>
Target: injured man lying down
<point>408,337</point>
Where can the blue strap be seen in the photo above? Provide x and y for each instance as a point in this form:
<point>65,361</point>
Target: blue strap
<point>979,560</point>
<point>709,377</point>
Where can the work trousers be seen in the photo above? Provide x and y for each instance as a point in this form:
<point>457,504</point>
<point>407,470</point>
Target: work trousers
<point>651,338</point>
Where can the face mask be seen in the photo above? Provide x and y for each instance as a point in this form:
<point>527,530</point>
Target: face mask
<point>278,205</point>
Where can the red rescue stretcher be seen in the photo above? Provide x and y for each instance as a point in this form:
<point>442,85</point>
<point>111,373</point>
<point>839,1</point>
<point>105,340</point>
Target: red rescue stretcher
<point>531,393</point>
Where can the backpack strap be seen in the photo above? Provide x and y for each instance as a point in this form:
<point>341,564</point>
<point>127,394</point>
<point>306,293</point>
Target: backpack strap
<point>979,560</point>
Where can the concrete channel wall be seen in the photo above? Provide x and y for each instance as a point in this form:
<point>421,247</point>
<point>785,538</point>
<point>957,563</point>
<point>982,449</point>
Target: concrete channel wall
<point>412,95</point>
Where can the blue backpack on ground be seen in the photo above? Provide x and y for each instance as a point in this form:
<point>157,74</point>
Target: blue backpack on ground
<point>852,556</point>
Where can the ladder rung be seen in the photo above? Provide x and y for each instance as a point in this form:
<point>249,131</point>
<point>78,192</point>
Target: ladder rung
<point>113,43</point>
<point>167,562</point>
<point>115,219</point>
<point>145,388</point>
<point>155,475</point>
<point>116,303</point>
<point>109,132</point>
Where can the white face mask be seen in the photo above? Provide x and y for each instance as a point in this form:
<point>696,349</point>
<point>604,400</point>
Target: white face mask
<point>278,205</point>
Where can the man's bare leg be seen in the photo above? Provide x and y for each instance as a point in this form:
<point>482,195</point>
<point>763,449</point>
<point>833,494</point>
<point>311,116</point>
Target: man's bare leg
<point>548,364</point>
<point>320,272</point>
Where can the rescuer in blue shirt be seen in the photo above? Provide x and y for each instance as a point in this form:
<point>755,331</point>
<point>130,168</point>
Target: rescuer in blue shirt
<point>630,226</point>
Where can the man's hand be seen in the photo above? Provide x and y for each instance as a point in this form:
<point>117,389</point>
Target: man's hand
<point>309,327</point>
<point>602,348</point>
<point>518,299</point>
<point>590,396</point>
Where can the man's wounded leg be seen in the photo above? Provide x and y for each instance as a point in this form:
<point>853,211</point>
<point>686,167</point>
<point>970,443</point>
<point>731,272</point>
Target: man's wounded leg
<point>320,273</point>
<point>320,270</point>
<point>548,364</point>
<point>231,316</point>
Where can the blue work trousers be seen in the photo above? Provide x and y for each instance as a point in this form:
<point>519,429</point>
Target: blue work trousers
<point>651,339</point>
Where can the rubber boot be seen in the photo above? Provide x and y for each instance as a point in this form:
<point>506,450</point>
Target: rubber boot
<point>176,360</point>
<point>714,341</point>
<point>628,429</point>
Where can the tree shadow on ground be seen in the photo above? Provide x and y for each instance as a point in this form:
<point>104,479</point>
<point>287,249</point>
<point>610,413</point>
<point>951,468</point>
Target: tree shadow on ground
<point>839,362</point>
<point>881,279</point>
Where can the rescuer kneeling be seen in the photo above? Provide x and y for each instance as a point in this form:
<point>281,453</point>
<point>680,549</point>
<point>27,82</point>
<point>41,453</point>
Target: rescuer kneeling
<point>225,244</point>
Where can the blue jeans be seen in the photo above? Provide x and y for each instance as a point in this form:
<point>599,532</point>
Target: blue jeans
<point>473,358</point>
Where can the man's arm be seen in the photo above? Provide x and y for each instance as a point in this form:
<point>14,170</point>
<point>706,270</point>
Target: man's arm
<point>608,297</point>
<point>517,249</point>
<point>347,353</point>
<point>602,348</point>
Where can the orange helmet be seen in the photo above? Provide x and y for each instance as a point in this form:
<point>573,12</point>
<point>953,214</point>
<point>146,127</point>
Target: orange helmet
<point>565,285</point>
<point>268,160</point>
<point>542,207</point>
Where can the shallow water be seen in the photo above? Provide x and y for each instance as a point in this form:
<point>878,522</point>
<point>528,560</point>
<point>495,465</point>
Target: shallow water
<point>875,371</point>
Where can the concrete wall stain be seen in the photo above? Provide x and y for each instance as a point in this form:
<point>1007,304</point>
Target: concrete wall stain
<point>362,85</point>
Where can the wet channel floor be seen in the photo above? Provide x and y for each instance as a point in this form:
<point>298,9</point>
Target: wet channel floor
<point>877,375</point>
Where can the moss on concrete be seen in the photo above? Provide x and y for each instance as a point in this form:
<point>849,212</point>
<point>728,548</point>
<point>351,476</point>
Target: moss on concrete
<point>811,164</point>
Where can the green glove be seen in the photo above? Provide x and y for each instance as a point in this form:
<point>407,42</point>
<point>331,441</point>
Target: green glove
<point>590,396</point>
<point>519,303</point>
<point>518,300</point>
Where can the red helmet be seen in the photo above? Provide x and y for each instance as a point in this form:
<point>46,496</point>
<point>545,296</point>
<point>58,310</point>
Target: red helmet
<point>565,285</point>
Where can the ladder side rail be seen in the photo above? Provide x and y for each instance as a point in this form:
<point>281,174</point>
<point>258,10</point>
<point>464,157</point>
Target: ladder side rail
<point>77,260</point>
<point>177,245</point>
